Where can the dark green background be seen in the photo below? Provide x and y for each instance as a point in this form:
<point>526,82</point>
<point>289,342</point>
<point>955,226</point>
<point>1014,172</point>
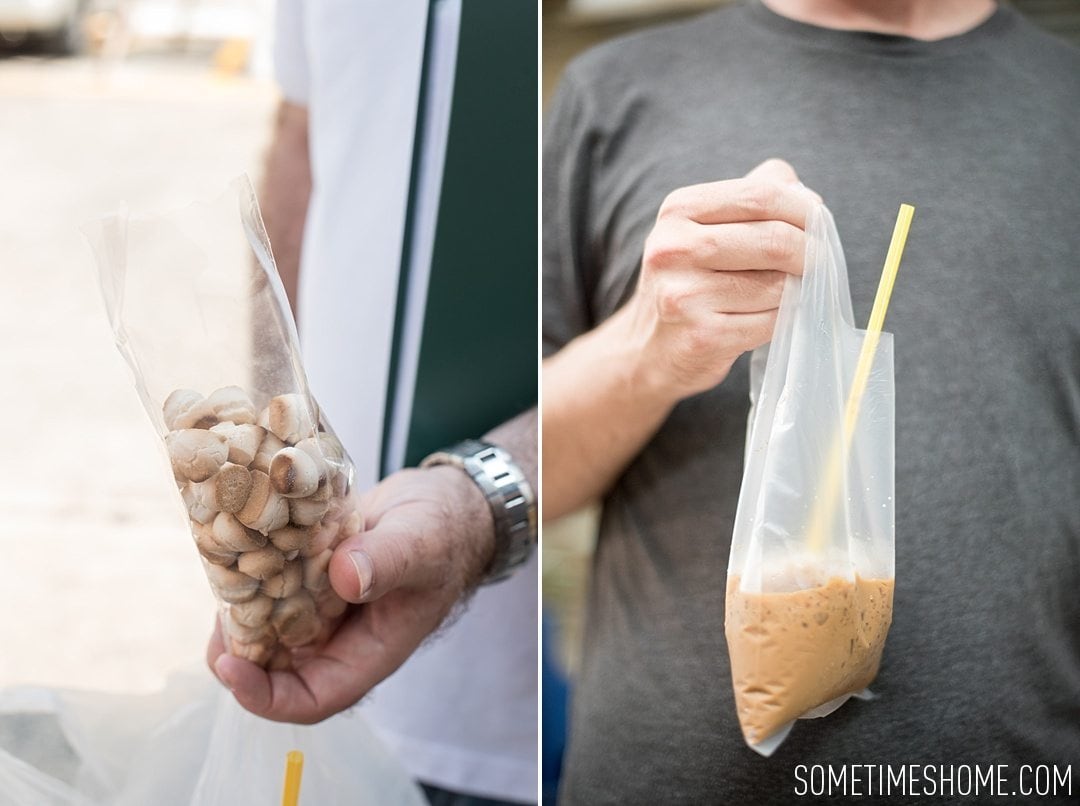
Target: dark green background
<point>478,351</point>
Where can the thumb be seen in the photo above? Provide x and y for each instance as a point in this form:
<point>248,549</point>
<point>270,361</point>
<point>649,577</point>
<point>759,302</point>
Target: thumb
<point>390,555</point>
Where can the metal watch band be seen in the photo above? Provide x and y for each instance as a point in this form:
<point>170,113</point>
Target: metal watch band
<point>512,501</point>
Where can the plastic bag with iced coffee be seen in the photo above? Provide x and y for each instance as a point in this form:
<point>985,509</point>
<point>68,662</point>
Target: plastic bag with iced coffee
<point>810,577</point>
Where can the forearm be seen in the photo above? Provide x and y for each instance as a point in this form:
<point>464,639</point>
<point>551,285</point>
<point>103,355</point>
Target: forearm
<point>599,410</point>
<point>286,189</point>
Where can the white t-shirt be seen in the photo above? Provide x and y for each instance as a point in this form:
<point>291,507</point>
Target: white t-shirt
<point>461,713</point>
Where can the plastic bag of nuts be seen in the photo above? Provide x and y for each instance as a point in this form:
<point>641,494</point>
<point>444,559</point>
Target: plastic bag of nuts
<point>199,313</point>
<point>267,494</point>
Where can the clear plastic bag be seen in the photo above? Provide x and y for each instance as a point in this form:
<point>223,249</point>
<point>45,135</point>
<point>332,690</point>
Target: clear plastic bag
<point>190,744</point>
<point>199,313</point>
<point>810,576</point>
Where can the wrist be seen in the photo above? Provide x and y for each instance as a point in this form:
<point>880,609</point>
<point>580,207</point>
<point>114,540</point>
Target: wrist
<point>644,375</point>
<point>470,515</point>
<point>509,496</point>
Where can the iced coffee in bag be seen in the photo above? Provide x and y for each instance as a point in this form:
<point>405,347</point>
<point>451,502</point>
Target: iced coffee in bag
<point>803,649</point>
<point>811,572</point>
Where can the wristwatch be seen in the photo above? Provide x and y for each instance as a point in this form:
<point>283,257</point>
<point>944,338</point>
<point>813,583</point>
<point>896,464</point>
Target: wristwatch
<point>512,501</point>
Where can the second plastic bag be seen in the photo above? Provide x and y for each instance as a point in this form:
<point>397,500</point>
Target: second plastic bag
<point>189,744</point>
<point>810,576</point>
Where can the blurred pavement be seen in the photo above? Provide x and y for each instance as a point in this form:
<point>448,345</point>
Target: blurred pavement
<point>100,585</point>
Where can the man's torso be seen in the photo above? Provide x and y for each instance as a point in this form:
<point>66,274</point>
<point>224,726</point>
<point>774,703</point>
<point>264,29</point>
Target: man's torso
<point>983,661</point>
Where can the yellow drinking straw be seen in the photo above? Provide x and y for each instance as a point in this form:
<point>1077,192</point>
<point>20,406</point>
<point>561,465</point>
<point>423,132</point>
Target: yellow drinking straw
<point>826,500</point>
<point>294,769</point>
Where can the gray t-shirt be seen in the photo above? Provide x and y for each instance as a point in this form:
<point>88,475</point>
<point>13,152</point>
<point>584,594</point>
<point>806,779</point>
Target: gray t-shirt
<point>981,132</point>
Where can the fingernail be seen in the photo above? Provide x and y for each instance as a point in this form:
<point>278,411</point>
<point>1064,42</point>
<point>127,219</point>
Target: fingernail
<point>362,562</point>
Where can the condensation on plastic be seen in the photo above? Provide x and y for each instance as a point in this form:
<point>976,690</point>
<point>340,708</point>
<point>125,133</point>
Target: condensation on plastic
<point>188,745</point>
<point>799,389</point>
<point>195,302</point>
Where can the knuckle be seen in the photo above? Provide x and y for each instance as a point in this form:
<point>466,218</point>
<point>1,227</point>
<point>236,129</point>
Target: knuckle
<point>662,251</point>
<point>779,167</point>
<point>701,360</point>
<point>672,302</point>
<point>760,200</point>
<point>708,243</point>
<point>673,205</point>
<point>699,342</point>
<point>778,243</point>
<point>742,290</point>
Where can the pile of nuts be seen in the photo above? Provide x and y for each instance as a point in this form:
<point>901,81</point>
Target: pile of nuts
<point>267,493</point>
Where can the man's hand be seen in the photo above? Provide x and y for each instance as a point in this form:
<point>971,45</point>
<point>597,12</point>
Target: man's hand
<point>710,286</point>
<point>712,275</point>
<point>427,540</point>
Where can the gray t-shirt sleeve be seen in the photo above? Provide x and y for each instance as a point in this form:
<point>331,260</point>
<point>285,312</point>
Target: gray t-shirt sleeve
<point>567,168</point>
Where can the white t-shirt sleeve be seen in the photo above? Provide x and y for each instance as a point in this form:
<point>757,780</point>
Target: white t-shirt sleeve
<point>290,51</point>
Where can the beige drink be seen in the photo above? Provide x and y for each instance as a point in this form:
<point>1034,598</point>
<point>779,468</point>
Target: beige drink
<point>791,652</point>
